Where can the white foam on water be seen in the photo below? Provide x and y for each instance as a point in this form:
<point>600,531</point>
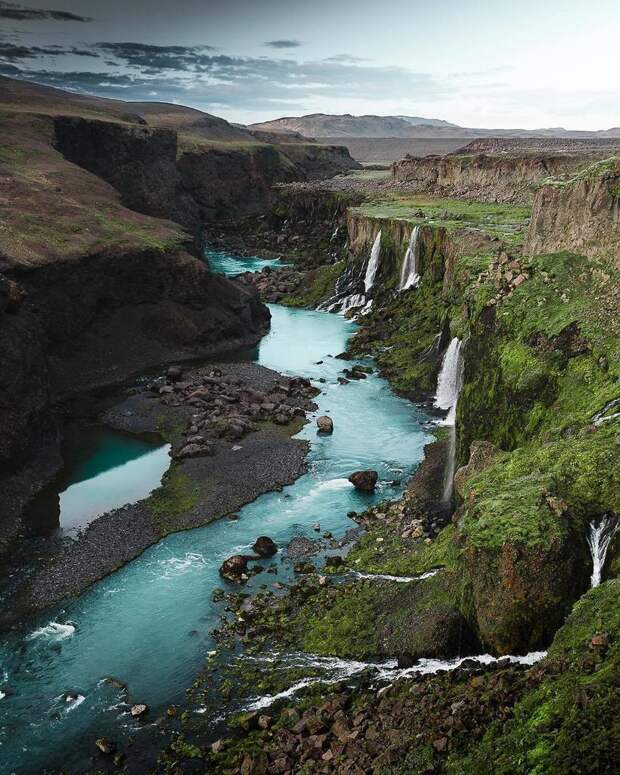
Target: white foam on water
<point>53,631</point>
<point>177,566</point>
<point>398,579</point>
<point>337,669</point>
<point>2,695</point>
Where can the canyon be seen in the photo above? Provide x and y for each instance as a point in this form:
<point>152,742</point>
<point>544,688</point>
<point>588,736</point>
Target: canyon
<point>457,319</point>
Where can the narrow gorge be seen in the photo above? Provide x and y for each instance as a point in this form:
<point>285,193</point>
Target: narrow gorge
<point>304,469</point>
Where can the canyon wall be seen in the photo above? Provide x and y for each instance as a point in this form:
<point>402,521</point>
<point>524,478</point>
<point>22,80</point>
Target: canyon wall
<point>581,215</point>
<point>483,177</point>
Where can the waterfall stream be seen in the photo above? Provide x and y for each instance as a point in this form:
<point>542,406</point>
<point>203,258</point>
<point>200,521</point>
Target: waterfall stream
<point>449,384</point>
<point>600,537</point>
<point>373,263</point>
<point>409,273</point>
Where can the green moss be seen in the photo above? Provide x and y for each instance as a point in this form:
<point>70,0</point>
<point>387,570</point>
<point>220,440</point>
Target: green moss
<point>569,724</point>
<point>399,557</point>
<point>346,626</point>
<point>507,501</point>
<point>319,286</point>
<point>523,370</point>
<point>176,496</point>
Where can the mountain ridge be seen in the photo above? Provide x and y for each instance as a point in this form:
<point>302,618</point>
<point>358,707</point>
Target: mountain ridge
<point>368,126</point>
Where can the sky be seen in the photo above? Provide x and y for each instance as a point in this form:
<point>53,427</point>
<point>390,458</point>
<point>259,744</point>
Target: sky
<point>477,63</point>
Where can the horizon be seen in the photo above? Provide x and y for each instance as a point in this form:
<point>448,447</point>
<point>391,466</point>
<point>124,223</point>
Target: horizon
<point>252,62</point>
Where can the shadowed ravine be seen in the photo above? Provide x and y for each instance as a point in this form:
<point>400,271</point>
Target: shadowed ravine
<point>148,624</point>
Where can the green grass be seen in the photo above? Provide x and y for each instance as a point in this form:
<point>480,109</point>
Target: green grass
<point>504,221</point>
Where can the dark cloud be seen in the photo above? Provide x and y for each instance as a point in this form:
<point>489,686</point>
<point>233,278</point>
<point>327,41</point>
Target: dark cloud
<point>20,13</point>
<point>144,55</point>
<point>283,43</point>
<point>10,52</point>
<point>216,82</point>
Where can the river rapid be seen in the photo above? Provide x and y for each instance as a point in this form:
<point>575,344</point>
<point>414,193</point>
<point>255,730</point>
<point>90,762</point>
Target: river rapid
<point>148,625</point>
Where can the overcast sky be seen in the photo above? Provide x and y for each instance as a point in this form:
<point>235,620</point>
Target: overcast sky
<point>484,63</point>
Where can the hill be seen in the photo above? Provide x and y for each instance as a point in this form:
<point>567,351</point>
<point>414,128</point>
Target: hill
<point>323,125</point>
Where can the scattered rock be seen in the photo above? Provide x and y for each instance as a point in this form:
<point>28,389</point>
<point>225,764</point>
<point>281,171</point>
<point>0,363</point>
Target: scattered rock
<point>234,567</point>
<point>265,547</point>
<point>139,710</point>
<point>106,746</point>
<point>365,481</point>
<point>325,424</point>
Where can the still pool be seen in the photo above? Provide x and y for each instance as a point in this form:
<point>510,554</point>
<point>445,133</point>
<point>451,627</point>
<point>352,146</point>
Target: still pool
<point>103,470</point>
<point>148,625</point>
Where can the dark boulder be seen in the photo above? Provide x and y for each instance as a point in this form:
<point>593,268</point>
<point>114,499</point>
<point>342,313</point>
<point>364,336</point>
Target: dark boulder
<point>265,547</point>
<point>365,481</point>
<point>234,567</point>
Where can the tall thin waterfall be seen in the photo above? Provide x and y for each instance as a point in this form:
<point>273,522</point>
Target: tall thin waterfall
<point>373,263</point>
<point>449,386</point>
<point>600,537</point>
<point>450,380</point>
<point>409,275</point>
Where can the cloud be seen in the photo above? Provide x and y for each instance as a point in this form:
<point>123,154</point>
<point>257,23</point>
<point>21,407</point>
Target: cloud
<point>10,52</point>
<point>144,55</point>
<point>205,78</point>
<point>283,43</point>
<point>20,13</point>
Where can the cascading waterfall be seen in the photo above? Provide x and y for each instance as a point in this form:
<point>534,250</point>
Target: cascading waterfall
<point>409,274</point>
<point>600,537</point>
<point>449,384</point>
<point>373,263</point>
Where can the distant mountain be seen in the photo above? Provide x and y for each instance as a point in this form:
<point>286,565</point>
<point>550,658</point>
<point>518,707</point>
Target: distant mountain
<point>418,121</point>
<point>346,126</point>
<point>325,125</point>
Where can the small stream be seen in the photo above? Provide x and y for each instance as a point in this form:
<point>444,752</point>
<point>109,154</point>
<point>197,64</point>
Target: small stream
<point>148,625</point>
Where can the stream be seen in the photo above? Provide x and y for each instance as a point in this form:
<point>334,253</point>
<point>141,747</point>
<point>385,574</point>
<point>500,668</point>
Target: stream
<point>148,625</point>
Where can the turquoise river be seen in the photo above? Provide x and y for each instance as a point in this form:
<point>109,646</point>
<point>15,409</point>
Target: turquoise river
<point>148,625</point>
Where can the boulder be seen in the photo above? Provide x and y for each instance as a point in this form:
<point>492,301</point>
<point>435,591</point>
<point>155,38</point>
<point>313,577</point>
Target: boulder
<point>139,709</point>
<point>365,481</point>
<point>325,424</point>
<point>265,547</point>
<point>234,567</point>
<point>105,746</point>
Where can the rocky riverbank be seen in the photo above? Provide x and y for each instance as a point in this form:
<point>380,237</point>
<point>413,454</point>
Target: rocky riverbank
<point>230,427</point>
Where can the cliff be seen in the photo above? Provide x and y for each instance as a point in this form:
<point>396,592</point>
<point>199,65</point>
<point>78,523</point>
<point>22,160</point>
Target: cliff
<point>487,178</point>
<point>93,288</point>
<point>581,214</point>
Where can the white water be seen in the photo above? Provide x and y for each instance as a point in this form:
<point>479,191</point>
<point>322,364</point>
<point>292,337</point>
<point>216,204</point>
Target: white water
<point>449,384</point>
<point>397,579</point>
<point>373,263</point>
<point>336,669</point>
<point>599,539</point>
<point>450,379</point>
<point>409,273</point>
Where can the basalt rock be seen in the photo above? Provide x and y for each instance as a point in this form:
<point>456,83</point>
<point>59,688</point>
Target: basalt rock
<point>325,424</point>
<point>234,567</point>
<point>365,481</point>
<point>265,547</point>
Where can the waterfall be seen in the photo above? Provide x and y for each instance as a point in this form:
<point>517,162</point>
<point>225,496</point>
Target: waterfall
<point>409,276</point>
<point>450,380</point>
<point>449,385</point>
<point>373,263</point>
<point>600,537</point>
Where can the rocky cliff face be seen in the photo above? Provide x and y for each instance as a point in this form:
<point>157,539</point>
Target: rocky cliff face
<point>581,215</point>
<point>69,326</point>
<point>482,177</point>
